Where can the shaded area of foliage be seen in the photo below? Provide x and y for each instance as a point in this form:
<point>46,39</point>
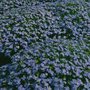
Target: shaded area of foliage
<point>4,59</point>
<point>48,43</point>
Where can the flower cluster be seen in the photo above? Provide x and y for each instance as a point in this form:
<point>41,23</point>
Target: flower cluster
<point>47,44</point>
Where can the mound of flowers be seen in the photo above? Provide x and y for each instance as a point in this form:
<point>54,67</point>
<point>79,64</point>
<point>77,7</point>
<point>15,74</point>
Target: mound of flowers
<point>45,45</point>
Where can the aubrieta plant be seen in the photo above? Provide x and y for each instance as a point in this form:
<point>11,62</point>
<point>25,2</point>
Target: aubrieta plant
<point>44,44</point>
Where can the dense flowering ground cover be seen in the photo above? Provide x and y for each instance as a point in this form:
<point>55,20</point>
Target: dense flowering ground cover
<point>44,44</point>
